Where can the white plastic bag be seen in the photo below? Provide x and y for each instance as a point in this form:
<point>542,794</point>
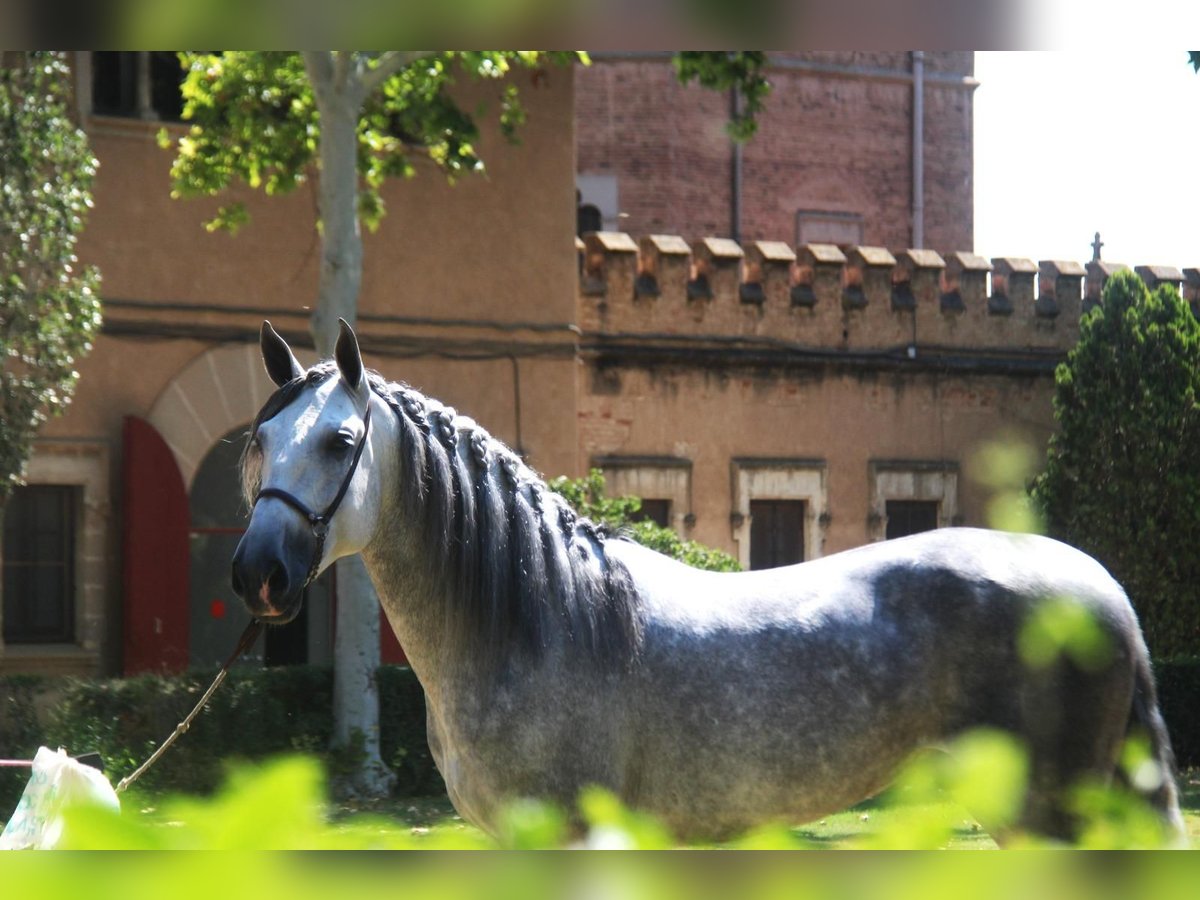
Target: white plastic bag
<point>58,781</point>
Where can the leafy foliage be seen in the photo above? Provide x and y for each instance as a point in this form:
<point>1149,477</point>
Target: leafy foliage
<point>1121,481</point>
<point>256,714</point>
<point>722,70</point>
<point>254,117</point>
<point>49,307</point>
<point>281,805</point>
<point>621,514</point>
<point>254,120</point>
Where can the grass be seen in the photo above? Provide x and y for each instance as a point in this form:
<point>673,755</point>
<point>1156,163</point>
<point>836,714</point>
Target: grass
<point>428,818</point>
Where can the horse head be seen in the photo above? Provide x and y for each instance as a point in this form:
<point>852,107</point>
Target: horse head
<point>306,470</point>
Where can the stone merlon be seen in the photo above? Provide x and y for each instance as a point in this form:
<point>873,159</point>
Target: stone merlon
<point>855,299</point>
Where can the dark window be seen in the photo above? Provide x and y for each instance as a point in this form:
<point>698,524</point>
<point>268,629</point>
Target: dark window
<point>656,511</point>
<point>166,81</point>
<point>911,517</point>
<point>588,218</point>
<point>776,533</point>
<point>115,84</point>
<point>39,564</point>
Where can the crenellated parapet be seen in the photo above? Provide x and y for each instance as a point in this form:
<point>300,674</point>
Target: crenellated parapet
<point>824,298</point>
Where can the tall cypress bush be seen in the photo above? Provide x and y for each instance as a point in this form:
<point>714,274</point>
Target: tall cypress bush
<point>1122,480</point>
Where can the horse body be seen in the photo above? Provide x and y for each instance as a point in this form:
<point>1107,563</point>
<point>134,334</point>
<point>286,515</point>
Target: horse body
<point>790,693</point>
<point>553,658</point>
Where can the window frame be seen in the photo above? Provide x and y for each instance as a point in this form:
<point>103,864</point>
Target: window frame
<point>666,478</point>
<point>84,465</point>
<point>68,500</point>
<point>780,479</point>
<point>906,479</point>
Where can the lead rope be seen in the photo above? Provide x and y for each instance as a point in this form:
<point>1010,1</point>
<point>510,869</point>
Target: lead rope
<point>249,636</point>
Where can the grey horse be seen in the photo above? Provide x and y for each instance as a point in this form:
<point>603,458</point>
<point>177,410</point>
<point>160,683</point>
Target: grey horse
<point>554,656</point>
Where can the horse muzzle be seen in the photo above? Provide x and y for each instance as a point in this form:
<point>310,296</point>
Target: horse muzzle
<point>271,587</point>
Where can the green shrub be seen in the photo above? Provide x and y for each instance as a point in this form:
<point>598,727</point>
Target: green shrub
<point>1121,481</point>
<point>255,714</point>
<point>20,733</point>
<point>1179,698</point>
<point>621,514</point>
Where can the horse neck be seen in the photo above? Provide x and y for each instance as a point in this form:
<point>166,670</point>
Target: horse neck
<point>502,626</point>
<point>415,602</point>
<point>413,593</point>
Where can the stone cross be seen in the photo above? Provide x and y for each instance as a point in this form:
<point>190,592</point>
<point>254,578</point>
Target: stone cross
<point>1096,245</point>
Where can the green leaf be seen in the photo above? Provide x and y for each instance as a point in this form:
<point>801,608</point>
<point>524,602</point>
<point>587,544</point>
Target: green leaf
<point>49,307</point>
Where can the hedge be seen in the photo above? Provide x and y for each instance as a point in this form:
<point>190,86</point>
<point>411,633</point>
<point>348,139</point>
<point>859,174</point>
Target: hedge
<point>1179,699</point>
<point>256,713</point>
<point>262,712</point>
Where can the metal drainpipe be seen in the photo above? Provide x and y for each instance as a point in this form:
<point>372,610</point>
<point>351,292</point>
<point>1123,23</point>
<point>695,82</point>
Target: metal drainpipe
<point>918,151</point>
<point>735,175</point>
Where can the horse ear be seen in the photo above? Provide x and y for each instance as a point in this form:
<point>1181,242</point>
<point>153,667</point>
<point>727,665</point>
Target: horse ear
<point>348,356</point>
<point>282,365</point>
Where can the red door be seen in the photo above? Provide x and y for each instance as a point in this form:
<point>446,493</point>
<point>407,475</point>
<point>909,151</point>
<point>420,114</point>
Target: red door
<point>155,553</point>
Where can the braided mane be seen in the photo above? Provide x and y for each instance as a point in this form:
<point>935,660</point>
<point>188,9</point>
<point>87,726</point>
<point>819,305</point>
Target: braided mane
<point>519,564</point>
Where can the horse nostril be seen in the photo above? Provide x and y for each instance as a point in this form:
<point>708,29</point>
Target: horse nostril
<point>277,580</point>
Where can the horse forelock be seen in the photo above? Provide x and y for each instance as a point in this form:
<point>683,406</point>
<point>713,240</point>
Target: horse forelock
<point>251,462</point>
<point>519,563</point>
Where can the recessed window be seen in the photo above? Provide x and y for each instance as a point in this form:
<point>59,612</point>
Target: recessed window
<point>588,218</point>
<point>662,483</point>
<point>656,510</point>
<point>776,533</point>
<point>596,199</point>
<point>911,496</point>
<point>905,517</point>
<point>39,564</point>
<point>816,226</point>
<point>138,85</point>
<point>779,512</point>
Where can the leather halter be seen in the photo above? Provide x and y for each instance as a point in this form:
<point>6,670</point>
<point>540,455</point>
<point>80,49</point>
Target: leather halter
<point>319,522</point>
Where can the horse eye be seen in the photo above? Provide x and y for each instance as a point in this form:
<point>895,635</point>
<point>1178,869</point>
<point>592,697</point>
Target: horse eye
<point>340,441</point>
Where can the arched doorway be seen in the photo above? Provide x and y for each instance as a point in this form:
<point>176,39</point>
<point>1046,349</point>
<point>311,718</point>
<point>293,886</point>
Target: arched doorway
<point>218,518</point>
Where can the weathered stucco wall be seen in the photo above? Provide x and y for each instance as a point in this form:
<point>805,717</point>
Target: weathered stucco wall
<point>843,378</point>
<point>468,294</point>
<point>715,415</point>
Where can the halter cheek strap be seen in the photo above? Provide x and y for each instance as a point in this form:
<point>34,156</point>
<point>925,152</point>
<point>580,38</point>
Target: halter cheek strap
<point>319,522</point>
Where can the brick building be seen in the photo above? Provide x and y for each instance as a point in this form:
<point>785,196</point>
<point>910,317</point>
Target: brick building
<point>843,139</point>
<point>780,399</point>
<point>468,292</point>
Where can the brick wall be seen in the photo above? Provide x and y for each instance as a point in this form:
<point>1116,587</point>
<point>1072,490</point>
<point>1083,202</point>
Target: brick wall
<point>858,370</point>
<point>836,136</point>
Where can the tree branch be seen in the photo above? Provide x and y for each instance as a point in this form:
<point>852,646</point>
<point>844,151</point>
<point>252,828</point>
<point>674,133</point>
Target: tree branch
<point>388,65</point>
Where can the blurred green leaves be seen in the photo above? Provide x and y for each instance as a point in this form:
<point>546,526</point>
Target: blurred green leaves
<point>981,776</point>
<point>1005,466</point>
<point>49,304</point>
<point>1062,628</point>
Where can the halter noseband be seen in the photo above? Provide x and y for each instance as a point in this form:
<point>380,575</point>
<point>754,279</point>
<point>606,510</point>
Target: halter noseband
<point>320,521</point>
